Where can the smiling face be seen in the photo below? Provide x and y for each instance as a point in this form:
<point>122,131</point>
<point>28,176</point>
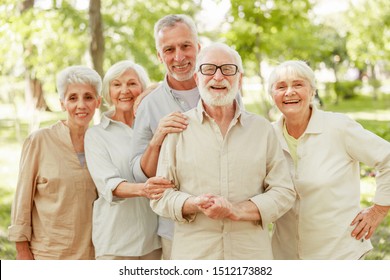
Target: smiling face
<point>218,89</point>
<point>80,102</point>
<point>124,90</point>
<point>292,96</point>
<point>178,50</point>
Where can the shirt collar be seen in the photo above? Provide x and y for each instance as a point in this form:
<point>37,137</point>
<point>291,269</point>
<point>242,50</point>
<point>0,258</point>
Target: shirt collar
<point>201,112</point>
<point>106,119</point>
<point>316,122</point>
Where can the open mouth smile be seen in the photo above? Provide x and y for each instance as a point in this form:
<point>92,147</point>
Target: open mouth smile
<point>294,101</point>
<point>181,67</point>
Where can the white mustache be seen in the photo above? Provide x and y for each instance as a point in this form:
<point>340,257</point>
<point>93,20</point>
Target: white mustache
<point>223,83</point>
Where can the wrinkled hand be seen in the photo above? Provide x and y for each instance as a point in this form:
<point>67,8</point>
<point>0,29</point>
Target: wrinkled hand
<point>24,256</point>
<point>215,207</point>
<point>204,201</point>
<point>368,220</point>
<point>173,123</point>
<point>154,187</point>
<point>23,251</point>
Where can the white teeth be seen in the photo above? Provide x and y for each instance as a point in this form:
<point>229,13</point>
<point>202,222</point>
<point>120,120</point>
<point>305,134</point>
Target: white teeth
<point>218,87</point>
<point>291,101</point>
<point>181,66</point>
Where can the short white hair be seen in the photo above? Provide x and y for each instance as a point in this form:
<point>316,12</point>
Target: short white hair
<point>117,70</point>
<point>78,74</point>
<point>171,21</point>
<point>292,69</point>
<point>219,46</point>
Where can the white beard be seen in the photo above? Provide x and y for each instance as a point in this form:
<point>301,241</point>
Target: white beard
<point>219,99</point>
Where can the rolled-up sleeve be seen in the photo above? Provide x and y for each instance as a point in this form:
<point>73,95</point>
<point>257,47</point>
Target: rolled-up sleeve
<point>279,194</point>
<point>21,224</point>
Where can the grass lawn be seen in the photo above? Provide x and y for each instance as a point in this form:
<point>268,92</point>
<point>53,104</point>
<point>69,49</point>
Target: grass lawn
<point>372,114</point>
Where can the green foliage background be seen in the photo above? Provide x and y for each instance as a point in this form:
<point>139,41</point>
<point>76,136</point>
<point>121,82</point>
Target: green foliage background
<point>41,41</point>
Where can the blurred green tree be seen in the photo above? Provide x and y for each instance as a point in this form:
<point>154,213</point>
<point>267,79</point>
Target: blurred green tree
<point>368,37</point>
<point>129,27</point>
<point>37,41</point>
<point>265,30</point>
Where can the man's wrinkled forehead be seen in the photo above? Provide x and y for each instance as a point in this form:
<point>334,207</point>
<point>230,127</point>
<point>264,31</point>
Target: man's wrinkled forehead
<point>217,55</point>
<point>168,36</point>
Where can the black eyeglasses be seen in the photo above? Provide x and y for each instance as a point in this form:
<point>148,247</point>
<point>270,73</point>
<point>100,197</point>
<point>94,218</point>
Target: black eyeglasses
<point>226,69</point>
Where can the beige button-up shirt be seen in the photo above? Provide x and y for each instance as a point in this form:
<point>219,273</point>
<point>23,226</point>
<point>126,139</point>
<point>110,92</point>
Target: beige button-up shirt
<point>53,202</point>
<point>327,181</point>
<point>246,164</point>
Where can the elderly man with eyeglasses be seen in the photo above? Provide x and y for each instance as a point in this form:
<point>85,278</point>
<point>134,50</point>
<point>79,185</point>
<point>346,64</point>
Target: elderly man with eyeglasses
<point>160,113</point>
<point>231,178</point>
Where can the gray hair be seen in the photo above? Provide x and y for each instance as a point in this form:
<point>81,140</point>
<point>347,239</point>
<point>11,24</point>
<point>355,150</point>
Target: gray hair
<point>78,75</point>
<point>171,21</point>
<point>219,46</point>
<point>117,70</point>
<point>292,69</point>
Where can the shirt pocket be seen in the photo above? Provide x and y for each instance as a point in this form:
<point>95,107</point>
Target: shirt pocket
<point>48,182</point>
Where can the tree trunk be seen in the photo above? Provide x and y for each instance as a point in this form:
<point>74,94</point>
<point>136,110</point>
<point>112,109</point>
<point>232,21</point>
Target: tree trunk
<point>34,98</point>
<point>97,39</point>
<point>266,106</point>
<point>34,91</point>
<point>26,4</point>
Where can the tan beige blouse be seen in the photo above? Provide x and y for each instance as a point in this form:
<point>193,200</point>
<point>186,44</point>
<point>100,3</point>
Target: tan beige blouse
<point>53,202</point>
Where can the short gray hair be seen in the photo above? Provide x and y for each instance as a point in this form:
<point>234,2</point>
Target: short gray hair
<point>219,46</point>
<point>117,70</point>
<point>172,20</point>
<point>292,68</point>
<point>78,74</point>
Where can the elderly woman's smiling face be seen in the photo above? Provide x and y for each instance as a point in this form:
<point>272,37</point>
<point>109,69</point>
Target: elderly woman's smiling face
<point>80,102</point>
<point>292,95</point>
<point>124,89</point>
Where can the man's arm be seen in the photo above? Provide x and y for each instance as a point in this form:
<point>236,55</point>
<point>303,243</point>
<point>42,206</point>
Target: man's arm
<point>245,211</point>
<point>173,123</point>
<point>217,207</point>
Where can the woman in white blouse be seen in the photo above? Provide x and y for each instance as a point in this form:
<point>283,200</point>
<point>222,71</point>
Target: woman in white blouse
<point>124,226</point>
<point>324,150</point>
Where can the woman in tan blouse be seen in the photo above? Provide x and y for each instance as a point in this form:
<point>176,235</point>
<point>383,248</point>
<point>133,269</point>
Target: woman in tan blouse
<point>52,210</point>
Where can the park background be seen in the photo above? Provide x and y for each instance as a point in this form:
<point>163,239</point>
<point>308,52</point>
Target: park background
<point>347,42</point>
